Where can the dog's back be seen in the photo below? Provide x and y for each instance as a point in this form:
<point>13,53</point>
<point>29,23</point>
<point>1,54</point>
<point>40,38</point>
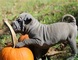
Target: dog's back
<point>58,31</point>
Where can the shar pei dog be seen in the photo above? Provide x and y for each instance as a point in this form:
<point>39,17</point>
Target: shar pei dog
<point>43,36</point>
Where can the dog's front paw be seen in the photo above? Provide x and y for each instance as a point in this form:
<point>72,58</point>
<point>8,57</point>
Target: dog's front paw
<point>20,44</point>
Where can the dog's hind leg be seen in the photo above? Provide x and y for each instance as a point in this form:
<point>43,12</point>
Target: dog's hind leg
<point>72,43</point>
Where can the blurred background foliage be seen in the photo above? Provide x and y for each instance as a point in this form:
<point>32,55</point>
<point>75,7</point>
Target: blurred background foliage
<point>46,11</point>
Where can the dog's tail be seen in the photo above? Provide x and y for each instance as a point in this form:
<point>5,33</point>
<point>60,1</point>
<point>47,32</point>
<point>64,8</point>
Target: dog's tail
<point>69,18</point>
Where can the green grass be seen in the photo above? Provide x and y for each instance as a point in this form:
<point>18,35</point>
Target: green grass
<point>41,9</point>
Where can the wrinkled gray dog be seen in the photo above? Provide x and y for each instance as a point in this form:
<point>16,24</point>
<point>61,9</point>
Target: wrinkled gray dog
<point>43,36</point>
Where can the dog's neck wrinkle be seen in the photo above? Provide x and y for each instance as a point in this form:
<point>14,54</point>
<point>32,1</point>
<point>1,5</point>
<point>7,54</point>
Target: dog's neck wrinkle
<point>33,25</point>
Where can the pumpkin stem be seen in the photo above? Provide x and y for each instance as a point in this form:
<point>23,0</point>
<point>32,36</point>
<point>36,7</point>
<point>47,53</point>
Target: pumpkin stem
<point>13,34</point>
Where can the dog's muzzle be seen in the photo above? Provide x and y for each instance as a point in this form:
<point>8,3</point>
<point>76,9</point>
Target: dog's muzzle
<point>16,26</point>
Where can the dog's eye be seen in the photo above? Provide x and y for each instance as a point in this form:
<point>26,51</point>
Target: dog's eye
<point>18,20</point>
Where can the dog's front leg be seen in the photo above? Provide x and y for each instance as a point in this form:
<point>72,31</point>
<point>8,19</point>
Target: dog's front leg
<point>37,53</point>
<point>35,42</point>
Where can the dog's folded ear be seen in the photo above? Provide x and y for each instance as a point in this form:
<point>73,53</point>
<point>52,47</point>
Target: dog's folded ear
<point>28,20</point>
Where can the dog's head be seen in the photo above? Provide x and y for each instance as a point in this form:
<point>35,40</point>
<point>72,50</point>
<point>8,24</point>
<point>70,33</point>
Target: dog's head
<point>19,25</point>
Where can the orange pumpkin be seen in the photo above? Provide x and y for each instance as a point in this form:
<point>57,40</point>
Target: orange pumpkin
<point>12,53</point>
<point>22,37</point>
<point>9,53</point>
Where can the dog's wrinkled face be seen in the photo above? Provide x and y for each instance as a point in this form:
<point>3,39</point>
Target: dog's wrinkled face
<point>19,25</point>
